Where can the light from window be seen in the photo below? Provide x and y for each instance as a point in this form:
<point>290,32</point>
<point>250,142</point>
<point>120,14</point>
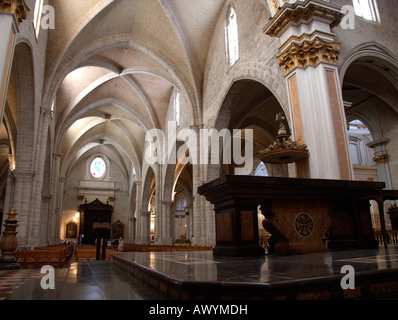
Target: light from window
<point>53,109</point>
<point>37,16</point>
<point>232,41</point>
<point>366,9</point>
<point>98,168</point>
<point>177,108</point>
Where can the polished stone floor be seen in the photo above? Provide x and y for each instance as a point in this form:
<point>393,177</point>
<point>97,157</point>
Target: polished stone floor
<point>202,266</point>
<point>102,280</point>
<point>94,280</point>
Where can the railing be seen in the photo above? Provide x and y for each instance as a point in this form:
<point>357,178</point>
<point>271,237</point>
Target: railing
<point>392,238</point>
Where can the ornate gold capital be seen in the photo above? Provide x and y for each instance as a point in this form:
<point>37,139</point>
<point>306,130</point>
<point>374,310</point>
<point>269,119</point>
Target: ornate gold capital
<point>302,12</point>
<point>274,5</point>
<point>17,7</point>
<point>383,159</point>
<point>309,53</point>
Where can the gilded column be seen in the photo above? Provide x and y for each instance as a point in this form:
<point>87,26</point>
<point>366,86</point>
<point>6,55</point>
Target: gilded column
<point>309,56</point>
<point>12,13</point>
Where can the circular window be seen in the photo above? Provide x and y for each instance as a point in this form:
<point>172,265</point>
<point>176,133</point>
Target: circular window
<point>304,225</point>
<point>98,168</point>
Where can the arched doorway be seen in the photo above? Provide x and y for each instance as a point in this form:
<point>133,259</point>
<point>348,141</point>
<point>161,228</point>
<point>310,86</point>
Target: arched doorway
<point>371,97</point>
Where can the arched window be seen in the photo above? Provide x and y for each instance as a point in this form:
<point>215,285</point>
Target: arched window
<point>366,9</point>
<point>261,170</point>
<point>37,16</point>
<point>177,107</point>
<point>232,38</point>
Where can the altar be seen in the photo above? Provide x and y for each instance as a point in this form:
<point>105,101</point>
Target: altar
<point>302,215</point>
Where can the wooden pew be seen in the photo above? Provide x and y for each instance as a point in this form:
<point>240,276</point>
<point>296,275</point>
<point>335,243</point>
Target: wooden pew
<point>89,253</point>
<point>152,248</point>
<point>55,256</point>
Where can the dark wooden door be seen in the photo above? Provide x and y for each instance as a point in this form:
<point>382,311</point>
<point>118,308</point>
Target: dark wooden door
<point>94,213</point>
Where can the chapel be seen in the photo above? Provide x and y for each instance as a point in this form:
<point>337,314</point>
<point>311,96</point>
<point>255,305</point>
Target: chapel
<point>125,108</point>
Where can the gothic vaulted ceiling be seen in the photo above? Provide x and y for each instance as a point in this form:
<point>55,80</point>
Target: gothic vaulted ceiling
<point>112,66</point>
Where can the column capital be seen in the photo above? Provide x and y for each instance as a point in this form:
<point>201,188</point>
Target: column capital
<point>309,53</point>
<point>304,43</point>
<point>24,175</point>
<point>303,12</point>
<point>16,7</point>
<point>45,112</point>
<point>378,143</point>
<point>382,159</point>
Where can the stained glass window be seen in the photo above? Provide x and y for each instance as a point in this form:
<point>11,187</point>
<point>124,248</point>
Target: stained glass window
<point>98,168</point>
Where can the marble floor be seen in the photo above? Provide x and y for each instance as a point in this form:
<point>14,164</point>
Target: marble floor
<point>94,280</point>
<point>202,266</point>
<point>102,280</point>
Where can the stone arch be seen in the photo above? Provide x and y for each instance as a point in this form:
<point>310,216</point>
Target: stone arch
<point>369,77</point>
<point>235,99</point>
<point>270,78</point>
<point>26,97</point>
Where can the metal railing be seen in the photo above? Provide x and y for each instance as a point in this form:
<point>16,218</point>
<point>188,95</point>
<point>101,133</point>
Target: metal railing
<point>392,238</point>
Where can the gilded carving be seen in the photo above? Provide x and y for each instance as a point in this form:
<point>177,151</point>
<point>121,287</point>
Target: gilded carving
<point>300,14</point>
<point>383,159</point>
<point>17,7</point>
<point>274,5</point>
<point>309,53</point>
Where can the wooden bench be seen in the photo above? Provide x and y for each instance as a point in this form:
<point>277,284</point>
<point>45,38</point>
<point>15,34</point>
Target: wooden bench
<point>55,256</point>
<point>87,253</point>
<point>152,248</point>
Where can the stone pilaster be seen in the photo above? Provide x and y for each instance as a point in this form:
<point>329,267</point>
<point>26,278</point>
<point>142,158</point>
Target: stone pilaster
<point>38,215</point>
<point>12,13</point>
<point>168,224</point>
<point>22,204</point>
<point>53,212</point>
<point>308,57</point>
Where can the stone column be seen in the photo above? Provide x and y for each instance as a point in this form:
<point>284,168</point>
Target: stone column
<point>159,218</point>
<point>22,204</point>
<point>10,185</point>
<point>139,220</point>
<point>52,223</point>
<point>309,56</point>
<point>38,215</point>
<point>168,223</point>
<point>59,205</point>
<point>382,159</point>
<point>12,13</point>
<point>188,219</point>
<point>199,221</point>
